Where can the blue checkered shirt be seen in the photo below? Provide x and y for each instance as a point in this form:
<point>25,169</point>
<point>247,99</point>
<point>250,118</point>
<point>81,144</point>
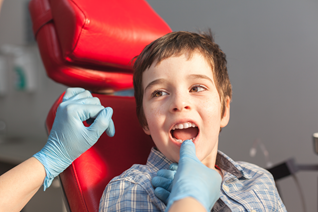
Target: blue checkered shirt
<point>245,187</point>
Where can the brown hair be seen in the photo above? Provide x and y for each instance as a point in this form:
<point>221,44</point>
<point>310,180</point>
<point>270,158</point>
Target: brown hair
<point>175,44</point>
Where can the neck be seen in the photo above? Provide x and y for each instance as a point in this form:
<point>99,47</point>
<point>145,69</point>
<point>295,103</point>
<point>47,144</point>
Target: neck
<point>210,160</point>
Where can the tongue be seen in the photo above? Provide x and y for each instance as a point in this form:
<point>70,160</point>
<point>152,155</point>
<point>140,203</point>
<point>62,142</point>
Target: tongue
<point>185,134</point>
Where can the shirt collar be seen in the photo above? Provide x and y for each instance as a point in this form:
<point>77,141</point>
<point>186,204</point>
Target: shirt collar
<point>156,160</point>
<point>227,164</point>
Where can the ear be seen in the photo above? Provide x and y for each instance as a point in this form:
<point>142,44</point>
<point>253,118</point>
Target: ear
<point>146,130</point>
<point>226,116</point>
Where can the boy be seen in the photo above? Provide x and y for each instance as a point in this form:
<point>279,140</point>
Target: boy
<point>183,92</point>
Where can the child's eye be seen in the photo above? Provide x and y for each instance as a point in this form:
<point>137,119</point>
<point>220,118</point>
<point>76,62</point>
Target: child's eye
<point>159,93</point>
<point>198,88</point>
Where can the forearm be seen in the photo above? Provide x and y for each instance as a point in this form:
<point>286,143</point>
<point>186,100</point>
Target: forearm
<point>187,204</point>
<point>18,185</point>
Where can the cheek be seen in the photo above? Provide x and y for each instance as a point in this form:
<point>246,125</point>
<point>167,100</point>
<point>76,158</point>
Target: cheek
<point>152,115</point>
<point>212,112</point>
<point>211,119</point>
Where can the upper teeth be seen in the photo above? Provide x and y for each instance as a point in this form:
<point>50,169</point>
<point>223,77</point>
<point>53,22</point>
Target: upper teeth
<point>183,126</point>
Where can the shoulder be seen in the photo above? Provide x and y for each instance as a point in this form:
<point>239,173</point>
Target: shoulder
<point>132,188</point>
<point>137,177</point>
<point>261,186</point>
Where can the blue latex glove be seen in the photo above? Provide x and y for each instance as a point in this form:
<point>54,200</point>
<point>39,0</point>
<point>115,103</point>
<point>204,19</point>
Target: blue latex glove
<point>69,138</point>
<point>163,182</point>
<point>194,179</point>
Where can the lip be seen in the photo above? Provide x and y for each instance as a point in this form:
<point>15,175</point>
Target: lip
<point>181,122</point>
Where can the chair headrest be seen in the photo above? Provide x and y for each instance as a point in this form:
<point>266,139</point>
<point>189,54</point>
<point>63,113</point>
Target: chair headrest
<point>91,43</point>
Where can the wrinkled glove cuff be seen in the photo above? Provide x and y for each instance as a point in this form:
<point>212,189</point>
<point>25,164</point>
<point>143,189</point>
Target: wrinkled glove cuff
<point>49,177</point>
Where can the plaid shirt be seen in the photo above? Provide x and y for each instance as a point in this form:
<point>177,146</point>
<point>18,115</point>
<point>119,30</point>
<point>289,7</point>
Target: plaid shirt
<point>245,187</point>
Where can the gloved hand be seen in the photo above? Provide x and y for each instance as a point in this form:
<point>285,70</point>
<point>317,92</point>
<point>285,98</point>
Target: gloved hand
<point>69,138</point>
<point>194,179</point>
<point>163,182</point>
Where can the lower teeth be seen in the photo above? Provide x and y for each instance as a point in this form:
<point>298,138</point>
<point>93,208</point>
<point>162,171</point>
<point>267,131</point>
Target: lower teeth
<point>181,141</point>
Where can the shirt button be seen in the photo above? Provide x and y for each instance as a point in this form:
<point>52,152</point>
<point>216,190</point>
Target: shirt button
<point>226,188</point>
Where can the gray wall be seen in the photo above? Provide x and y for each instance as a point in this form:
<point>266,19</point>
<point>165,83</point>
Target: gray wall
<point>272,53</point>
<point>24,112</point>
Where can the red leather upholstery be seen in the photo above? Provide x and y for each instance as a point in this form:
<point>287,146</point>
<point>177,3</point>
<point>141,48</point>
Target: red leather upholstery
<point>90,43</point>
<point>85,180</point>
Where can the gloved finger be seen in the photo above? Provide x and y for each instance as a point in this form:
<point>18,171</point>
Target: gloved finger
<point>80,112</point>
<point>110,131</point>
<point>103,121</point>
<point>166,173</point>
<point>173,167</point>
<point>70,92</point>
<point>82,95</point>
<point>162,194</point>
<point>187,149</point>
<point>162,182</point>
<point>86,100</point>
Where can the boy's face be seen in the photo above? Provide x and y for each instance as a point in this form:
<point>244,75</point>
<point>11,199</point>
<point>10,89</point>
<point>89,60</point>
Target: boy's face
<point>180,93</point>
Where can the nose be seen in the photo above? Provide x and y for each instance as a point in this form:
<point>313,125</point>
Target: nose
<point>179,103</point>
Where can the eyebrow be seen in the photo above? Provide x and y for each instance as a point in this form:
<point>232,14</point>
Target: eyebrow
<point>157,81</point>
<point>192,76</point>
<point>200,76</point>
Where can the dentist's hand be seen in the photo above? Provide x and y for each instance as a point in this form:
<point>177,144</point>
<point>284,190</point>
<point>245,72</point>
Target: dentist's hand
<point>163,182</point>
<point>194,179</point>
<point>69,138</point>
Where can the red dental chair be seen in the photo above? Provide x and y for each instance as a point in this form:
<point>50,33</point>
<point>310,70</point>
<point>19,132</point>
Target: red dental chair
<point>90,44</point>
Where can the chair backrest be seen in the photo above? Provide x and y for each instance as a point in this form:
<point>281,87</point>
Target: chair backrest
<point>90,44</point>
<point>84,181</point>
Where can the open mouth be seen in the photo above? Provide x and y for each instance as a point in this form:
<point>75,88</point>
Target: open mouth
<point>184,131</point>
